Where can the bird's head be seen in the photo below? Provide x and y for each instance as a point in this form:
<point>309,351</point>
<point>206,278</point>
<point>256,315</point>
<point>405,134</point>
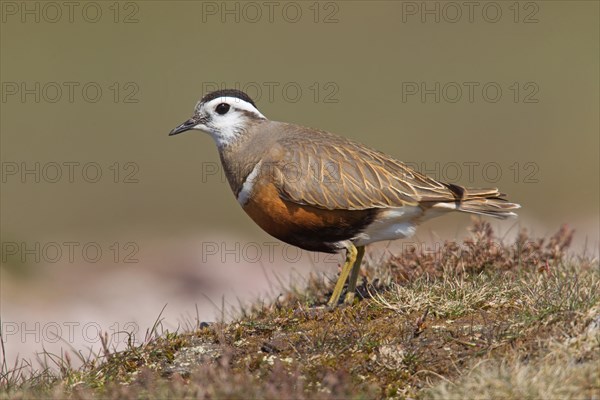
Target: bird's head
<point>224,114</point>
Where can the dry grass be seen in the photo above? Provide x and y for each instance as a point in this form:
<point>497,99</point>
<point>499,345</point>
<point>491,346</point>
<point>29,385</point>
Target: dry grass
<point>479,319</point>
<point>568,370</point>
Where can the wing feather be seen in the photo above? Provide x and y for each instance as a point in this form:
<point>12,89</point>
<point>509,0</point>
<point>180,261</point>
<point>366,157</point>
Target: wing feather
<point>331,172</point>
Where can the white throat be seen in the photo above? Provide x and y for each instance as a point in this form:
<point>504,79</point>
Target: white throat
<point>225,136</point>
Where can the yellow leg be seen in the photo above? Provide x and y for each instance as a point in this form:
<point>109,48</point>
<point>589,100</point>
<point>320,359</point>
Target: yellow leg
<point>351,253</point>
<point>354,275</point>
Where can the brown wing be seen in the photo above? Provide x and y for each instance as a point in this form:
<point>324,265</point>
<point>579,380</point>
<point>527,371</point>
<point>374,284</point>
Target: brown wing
<point>327,171</point>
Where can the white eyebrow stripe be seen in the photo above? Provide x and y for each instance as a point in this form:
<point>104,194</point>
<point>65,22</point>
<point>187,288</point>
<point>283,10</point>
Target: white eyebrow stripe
<point>235,102</point>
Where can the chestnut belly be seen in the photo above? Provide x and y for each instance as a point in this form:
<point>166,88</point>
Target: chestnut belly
<point>310,228</point>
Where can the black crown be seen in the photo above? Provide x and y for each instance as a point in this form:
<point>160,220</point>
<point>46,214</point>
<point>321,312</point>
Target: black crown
<point>228,93</point>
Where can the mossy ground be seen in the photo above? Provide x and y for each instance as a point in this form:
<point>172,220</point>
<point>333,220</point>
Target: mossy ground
<point>479,319</point>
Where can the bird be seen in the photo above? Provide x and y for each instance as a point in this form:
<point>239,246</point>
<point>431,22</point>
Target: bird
<point>323,192</point>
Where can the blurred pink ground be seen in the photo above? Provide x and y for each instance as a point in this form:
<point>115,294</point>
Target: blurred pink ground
<point>77,301</point>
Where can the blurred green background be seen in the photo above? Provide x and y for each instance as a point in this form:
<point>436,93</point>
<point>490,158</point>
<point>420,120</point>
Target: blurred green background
<point>364,69</point>
<point>366,52</point>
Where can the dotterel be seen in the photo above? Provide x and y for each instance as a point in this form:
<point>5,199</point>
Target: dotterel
<point>323,192</point>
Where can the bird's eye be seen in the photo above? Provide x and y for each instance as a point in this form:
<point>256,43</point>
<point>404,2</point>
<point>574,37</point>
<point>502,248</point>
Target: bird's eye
<point>222,108</point>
